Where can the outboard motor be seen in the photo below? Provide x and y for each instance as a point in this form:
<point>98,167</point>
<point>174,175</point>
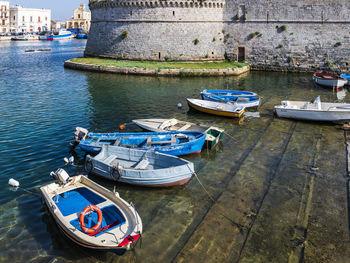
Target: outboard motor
<point>79,134</point>
<point>61,176</point>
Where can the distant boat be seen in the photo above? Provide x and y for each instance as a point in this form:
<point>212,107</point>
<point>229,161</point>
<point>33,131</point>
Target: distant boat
<point>91,215</point>
<point>61,34</point>
<point>346,76</point>
<point>138,167</point>
<point>328,80</point>
<point>81,36</point>
<point>228,94</point>
<point>216,108</point>
<point>314,111</point>
<point>213,134</point>
<point>173,143</point>
<point>25,37</point>
<point>239,100</point>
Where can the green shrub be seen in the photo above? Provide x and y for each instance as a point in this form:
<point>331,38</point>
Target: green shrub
<point>228,35</point>
<point>223,31</point>
<point>214,39</point>
<point>280,46</point>
<point>257,33</point>
<point>196,41</point>
<point>329,64</point>
<point>251,35</point>
<point>206,56</point>
<point>124,34</point>
<point>338,44</point>
<point>290,59</point>
<point>283,28</point>
<point>167,58</point>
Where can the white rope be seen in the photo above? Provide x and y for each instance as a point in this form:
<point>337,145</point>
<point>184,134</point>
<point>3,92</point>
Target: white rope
<point>195,174</point>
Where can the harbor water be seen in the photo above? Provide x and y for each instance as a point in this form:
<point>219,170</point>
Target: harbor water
<point>280,186</point>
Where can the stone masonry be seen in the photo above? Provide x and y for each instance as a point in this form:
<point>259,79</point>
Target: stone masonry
<point>277,35</point>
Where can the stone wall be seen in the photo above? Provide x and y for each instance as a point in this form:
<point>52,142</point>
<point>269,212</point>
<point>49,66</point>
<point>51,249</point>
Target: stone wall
<point>276,35</point>
<point>159,30</point>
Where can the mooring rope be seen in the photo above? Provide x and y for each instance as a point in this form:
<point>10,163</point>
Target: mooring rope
<point>229,136</point>
<point>205,190</point>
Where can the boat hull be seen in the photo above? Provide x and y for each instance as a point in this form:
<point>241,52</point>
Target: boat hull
<point>194,143</point>
<point>251,102</point>
<point>313,115</point>
<point>59,37</point>
<point>137,167</point>
<point>213,134</point>
<point>213,111</point>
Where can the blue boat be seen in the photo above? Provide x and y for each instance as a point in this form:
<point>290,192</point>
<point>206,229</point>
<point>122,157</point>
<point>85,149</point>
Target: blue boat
<point>346,76</point>
<point>243,98</point>
<point>138,167</point>
<point>81,36</point>
<point>172,143</point>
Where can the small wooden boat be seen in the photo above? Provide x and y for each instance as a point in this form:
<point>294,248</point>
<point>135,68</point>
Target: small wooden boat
<point>213,134</point>
<point>346,76</point>
<point>228,94</point>
<point>138,167</point>
<point>216,108</point>
<point>314,111</point>
<point>246,102</point>
<point>173,143</point>
<point>328,80</point>
<point>73,201</point>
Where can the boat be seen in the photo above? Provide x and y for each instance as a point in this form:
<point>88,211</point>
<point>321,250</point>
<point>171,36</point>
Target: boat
<point>91,215</point>
<point>329,80</point>
<point>213,134</point>
<point>81,35</point>
<point>61,34</point>
<point>236,100</point>
<point>346,76</point>
<point>216,108</point>
<point>314,111</point>
<point>139,167</point>
<point>173,143</point>
<point>228,94</point>
<point>25,37</point>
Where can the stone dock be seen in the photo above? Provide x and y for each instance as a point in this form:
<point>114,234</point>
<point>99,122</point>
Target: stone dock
<point>284,199</point>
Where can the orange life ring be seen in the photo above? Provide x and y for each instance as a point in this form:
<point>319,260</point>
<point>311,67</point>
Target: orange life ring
<point>87,209</point>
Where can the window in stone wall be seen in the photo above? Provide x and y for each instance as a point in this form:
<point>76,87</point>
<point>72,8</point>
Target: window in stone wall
<point>241,54</point>
<point>173,13</point>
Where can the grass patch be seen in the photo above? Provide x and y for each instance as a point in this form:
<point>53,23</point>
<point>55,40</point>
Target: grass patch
<point>159,65</point>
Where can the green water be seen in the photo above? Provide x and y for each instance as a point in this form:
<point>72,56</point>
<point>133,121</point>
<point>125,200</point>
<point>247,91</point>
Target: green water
<point>280,186</point>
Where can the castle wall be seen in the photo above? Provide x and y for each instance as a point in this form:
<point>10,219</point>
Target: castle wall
<point>162,31</point>
<point>279,34</point>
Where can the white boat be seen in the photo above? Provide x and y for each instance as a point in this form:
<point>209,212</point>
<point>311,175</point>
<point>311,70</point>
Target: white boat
<point>61,34</point>
<point>213,134</point>
<point>328,80</point>
<point>216,108</point>
<point>138,167</point>
<point>314,111</point>
<point>73,201</point>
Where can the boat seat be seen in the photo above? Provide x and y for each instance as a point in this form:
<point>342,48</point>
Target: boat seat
<point>110,159</point>
<point>242,99</point>
<point>142,164</point>
<point>150,142</point>
<point>117,142</point>
<point>185,127</point>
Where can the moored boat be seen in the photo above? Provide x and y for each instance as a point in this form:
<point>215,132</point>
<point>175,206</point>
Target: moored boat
<point>213,134</point>
<point>314,111</point>
<point>328,80</point>
<point>72,202</point>
<point>61,34</point>
<point>216,108</point>
<point>346,76</point>
<point>173,143</point>
<point>138,167</point>
<point>228,94</point>
<point>239,100</point>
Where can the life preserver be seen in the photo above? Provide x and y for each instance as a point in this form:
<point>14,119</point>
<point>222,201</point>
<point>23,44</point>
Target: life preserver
<point>87,209</point>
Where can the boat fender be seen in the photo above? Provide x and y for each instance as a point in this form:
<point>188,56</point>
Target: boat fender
<point>116,168</point>
<point>88,168</point>
<point>13,182</point>
<point>80,134</point>
<point>86,210</point>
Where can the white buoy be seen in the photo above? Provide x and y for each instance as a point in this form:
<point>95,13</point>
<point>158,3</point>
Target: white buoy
<point>13,182</point>
<point>179,105</point>
<point>65,159</point>
<point>71,159</point>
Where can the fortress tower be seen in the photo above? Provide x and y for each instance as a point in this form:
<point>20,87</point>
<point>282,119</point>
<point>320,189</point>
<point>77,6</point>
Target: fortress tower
<point>292,34</point>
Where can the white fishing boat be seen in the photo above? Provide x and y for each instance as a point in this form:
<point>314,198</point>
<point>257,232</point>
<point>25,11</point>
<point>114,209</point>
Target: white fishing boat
<point>216,108</point>
<point>91,215</point>
<point>328,80</point>
<point>138,167</point>
<point>314,111</point>
<point>61,34</point>
<point>213,134</point>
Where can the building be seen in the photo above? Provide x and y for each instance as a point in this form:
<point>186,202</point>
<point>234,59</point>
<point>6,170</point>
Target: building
<point>5,16</point>
<point>29,19</point>
<point>56,25</point>
<point>275,35</point>
<point>81,19</point>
